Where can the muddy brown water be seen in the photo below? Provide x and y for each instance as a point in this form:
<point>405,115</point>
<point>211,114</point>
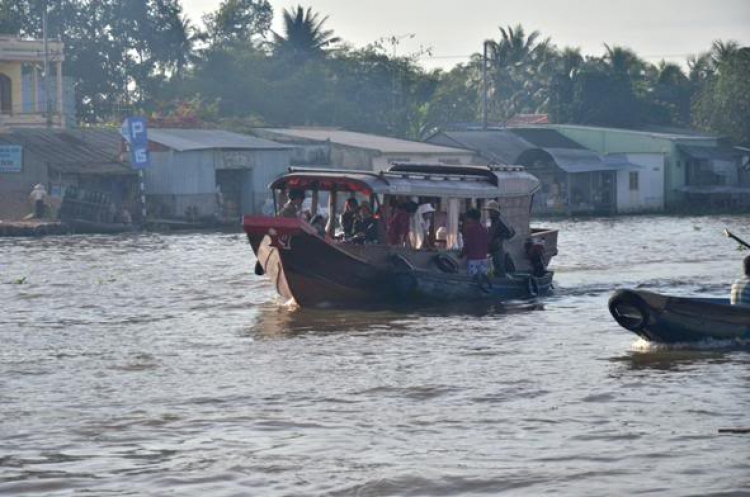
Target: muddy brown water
<point>160,365</point>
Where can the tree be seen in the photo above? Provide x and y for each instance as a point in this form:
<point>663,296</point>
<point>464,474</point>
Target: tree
<point>723,105</point>
<point>239,21</point>
<point>304,37</point>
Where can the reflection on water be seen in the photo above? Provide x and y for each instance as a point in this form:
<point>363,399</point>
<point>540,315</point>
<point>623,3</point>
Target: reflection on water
<point>159,364</point>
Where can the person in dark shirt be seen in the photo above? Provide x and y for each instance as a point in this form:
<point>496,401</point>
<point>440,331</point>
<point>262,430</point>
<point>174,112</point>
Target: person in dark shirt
<point>476,242</point>
<point>366,225</point>
<point>499,232</point>
<point>349,216</point>
<point>398,225</point>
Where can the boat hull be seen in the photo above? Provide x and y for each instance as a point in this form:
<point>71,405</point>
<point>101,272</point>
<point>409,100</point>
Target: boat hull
<point>316,272</point>
<point>667,319</point>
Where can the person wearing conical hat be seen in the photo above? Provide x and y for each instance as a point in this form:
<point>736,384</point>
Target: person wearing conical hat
<point>37,197</point>
<point>499,231</point>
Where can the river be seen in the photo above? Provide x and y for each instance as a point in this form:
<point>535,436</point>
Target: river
<point>161,365</point>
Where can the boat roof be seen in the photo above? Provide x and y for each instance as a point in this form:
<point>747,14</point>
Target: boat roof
<point>423,180</point>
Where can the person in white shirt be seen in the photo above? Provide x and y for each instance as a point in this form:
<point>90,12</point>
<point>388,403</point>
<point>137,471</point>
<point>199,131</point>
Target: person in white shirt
<point>38,196</point>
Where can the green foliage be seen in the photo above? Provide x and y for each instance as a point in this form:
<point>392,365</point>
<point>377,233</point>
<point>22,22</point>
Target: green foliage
<point>723,104</point>
<point>238,21</point>
<point>147,56</point>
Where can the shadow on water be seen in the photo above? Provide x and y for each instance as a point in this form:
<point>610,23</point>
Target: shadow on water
<point>276,321</point>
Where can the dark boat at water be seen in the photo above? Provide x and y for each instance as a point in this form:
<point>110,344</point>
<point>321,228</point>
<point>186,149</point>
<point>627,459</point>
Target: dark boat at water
<point>669,319</point>
<point>318,270</point>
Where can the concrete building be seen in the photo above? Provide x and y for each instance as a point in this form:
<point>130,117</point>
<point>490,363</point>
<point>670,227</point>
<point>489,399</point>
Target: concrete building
<point>198,173</point>
<point>350,150</point>
<point>88,160</point>
<point>575,180</point>
<point>27,98</point>
<point>694,166</point>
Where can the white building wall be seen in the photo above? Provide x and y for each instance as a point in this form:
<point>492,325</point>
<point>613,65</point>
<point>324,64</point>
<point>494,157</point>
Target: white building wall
<point>650,193</point>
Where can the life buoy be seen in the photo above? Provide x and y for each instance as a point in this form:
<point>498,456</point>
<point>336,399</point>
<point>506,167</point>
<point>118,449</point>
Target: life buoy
<point>445,263</point>
<point>629,310</point>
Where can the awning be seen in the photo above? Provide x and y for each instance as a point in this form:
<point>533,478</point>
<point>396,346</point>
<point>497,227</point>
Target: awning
<point>709,153</point>
<point>575,161</point>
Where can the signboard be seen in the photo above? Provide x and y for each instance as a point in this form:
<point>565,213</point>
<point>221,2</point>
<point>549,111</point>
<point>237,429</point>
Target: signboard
<point>10,159</point>
<point>134,131</point>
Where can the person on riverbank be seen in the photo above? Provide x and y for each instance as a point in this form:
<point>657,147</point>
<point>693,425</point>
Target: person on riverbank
<point>741,287</point>
<point>476,242</point>
<point>499,231</point>
<point>38,199</point>
<point>293,205</point>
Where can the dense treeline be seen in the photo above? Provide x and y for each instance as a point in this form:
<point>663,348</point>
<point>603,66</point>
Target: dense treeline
<point>146,55</point>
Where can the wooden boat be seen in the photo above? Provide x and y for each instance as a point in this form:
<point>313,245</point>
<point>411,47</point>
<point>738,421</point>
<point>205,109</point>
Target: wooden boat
<point>315,269</point>
<point>668,319</point>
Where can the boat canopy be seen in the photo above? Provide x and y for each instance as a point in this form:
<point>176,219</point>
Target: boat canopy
<point>423,180</point>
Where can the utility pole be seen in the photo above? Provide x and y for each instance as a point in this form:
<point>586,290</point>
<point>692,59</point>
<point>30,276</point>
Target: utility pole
<point>485,87</point>
<point>45,81</point>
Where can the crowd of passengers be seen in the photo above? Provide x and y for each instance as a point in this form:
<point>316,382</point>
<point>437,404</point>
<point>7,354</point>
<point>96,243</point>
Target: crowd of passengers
<point>409,225</point>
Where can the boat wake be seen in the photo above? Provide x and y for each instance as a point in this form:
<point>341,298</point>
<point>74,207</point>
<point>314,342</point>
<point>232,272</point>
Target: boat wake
<point>645,346</point>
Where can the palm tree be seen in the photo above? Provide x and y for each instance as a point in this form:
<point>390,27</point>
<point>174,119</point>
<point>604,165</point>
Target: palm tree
<point>722,52</point>
<point>623,61</point>
<point>304,35</point>
<point>181,38</point>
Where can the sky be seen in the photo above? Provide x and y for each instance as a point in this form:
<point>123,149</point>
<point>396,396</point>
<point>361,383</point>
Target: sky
<point>454,29</point>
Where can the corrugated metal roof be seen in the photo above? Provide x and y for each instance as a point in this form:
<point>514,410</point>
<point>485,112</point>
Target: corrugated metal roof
<point>709,153</point>
<point>76,151</point>
<point>497,146</point>
<point>546,138</point>
<point>202,139</point>
<point>382,144</point>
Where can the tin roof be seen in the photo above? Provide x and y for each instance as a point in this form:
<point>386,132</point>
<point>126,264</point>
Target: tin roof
<point>376,143</point>
<point>184,140</point>
<point>461,184</point>
<point>79,151</point>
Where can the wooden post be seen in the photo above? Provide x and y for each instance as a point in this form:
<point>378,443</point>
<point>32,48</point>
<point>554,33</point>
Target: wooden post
<point>314,207</point>
<point>331,227</point>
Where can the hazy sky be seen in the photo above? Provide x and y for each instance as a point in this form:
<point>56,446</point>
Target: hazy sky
<point>656,29</point>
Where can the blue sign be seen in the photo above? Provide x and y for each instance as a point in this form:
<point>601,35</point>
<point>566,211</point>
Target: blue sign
<point>10,159</point>
<point>134,131</point>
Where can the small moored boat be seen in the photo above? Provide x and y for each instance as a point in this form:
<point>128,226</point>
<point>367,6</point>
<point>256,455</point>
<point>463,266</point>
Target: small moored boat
<point>317,268</point>
<point>668,319</point>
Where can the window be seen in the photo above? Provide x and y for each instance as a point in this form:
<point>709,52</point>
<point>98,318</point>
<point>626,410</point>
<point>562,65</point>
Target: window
<point>633,181</point>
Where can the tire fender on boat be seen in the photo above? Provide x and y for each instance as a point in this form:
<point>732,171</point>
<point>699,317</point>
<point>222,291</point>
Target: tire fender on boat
<point>628,300</point>
<point>445,263</point>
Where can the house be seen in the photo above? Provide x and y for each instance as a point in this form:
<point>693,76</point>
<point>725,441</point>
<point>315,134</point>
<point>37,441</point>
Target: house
<point>27,97</point>
<point>351,150</point>
<point>574,179</point>
<point>198,173</point>
<point>696,167</point>
<point>88,160</point>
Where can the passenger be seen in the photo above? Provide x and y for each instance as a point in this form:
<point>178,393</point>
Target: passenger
<point>419,230</point>
<point>741,287</point>
<point>398,226</point>
<point>441,238</point>
<point>349,216</point>
<point>319,223</point>
<point>366,225</point>
<point>499,232</point>
<point>294,204</point>
<point>476,242</point>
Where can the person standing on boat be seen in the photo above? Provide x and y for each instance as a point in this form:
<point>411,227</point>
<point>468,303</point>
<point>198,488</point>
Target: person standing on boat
<point>398,225</point>
<point>741,287</point>
<point>419,227</point>
<point>349,216</point>
<point>365,226</point>
<point>293,205</point>
<point>38,197</point>
<point>499,232</point>
<point>476,241</point>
